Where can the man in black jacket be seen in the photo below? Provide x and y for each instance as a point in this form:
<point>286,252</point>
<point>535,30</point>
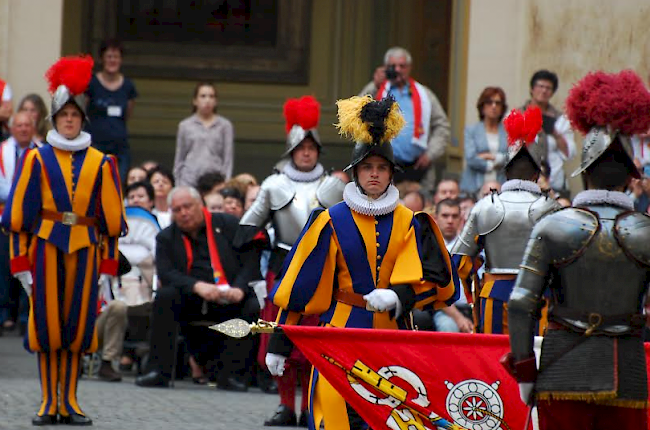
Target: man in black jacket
<point>203,279</point>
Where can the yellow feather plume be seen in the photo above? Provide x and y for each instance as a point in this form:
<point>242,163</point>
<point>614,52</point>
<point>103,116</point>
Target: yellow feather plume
<point>350,123</point>
<point>353,126</point>
<point>394,123</point>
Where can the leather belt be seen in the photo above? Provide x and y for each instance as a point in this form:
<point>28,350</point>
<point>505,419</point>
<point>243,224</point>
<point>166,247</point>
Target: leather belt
<point>594,321</point>
<point>68,218</point>
<point>350,298</point>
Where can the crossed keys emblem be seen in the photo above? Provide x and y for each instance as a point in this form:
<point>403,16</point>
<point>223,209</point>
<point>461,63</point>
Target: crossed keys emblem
<point>376,387</point>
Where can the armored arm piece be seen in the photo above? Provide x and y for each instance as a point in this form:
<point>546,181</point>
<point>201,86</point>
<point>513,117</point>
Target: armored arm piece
<point>260,211</point>
<point>330,191</point>
<point>482,220</point>
<point>257,216</point>
<point>542,207</point>
<point>524,303</point>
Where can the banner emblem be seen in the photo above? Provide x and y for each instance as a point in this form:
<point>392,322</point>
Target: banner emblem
<point>475,405</point>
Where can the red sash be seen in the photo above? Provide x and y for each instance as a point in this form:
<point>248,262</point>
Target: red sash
<point>2,149</point>
<point>418,130</point>
<point>215,260</point>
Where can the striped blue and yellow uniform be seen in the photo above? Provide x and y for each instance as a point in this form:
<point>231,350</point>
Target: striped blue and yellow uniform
<point>340,249</point>
<point>493,296</point>
<point>65,260</point>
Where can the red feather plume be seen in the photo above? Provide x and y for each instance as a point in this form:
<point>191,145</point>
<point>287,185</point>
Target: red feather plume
<point>304,112</point>
<point>74,72</point>
<point>618,100</point>
<point>523,126</point>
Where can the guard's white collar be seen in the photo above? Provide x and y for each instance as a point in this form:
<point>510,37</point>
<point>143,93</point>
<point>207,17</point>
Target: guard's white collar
<point>521,185</point>
<point>599,197</point>
<point>300,176</point>
<point>361,203</point>
<point>77,144</point>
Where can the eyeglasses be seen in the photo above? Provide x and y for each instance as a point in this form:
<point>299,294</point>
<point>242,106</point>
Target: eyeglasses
<point>544,87</point>
<point>494,102</point>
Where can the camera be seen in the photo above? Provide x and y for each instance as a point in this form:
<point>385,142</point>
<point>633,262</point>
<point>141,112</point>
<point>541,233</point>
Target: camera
<point>391,73</point>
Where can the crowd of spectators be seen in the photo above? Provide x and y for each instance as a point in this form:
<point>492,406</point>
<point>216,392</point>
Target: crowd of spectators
<point>205,175</point>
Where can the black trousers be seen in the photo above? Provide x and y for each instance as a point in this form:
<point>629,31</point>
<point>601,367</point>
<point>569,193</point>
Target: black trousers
<point>172,308</point>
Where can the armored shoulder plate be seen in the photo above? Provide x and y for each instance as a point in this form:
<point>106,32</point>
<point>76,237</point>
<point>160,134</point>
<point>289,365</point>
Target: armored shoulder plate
<point>330,191</point>
<point>569,232</point>
<point>632,231</point>
<point>490,214</point>
<point>542,206</point>
<point>280,189</point>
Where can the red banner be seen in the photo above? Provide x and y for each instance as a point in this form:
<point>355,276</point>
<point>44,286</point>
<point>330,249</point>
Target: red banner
<point>396,379</point>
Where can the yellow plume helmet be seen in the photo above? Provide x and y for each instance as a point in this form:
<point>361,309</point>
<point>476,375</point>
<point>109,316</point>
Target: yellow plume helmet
<point>369,121</point>
<point>371,124</point>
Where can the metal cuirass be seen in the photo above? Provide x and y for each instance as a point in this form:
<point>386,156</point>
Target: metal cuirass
<point>289,203</point>
<point>606,271</point>
<point>505,222</point>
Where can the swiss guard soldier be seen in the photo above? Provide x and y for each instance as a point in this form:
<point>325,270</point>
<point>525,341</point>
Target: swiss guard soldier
<point>65,214</point>
<point>501,223</point>
<point>286,199</point>
<point>595,259</point>
<point>364,262</point>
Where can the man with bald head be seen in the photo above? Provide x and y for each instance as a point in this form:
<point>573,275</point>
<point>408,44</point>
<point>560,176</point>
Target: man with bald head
<point>203,279</point>
<point>22,129</point>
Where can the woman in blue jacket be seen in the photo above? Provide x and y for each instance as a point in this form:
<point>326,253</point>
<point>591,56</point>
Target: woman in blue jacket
<point>486,142</point>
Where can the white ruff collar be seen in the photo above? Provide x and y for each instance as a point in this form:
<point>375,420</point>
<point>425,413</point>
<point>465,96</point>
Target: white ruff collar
<point>599,197</point>
<point>521,185</point>
<point>300,176</point>
<point>361,203</point>
<point>77,144</point>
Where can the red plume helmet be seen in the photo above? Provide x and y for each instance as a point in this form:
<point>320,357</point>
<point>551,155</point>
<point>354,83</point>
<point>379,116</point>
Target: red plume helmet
<point>523,127</point>
<point>619,101</point>
<point>74,72</point>
<point>304,112</point>
<point>522,130</point>
<point>608,107</point>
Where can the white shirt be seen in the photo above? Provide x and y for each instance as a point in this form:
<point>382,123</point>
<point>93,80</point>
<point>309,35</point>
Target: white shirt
<point>6,94</point>
<point>462,300</point>
<point>493,145</point>
<point>164,218</point>
<point>641,149</point>
<point>556,158</point>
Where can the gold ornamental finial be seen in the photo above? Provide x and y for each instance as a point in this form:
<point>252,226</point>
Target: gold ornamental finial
<point>238,328</point>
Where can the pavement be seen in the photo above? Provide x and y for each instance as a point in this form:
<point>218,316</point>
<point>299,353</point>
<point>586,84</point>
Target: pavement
<point>123,405</point>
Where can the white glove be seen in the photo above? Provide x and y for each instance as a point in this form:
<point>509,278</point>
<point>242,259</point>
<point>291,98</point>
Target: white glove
<point>275,363</point>
<point>525,391</point>
<point>105,284</point>
<point>384,299</point>
<point>260,291</point>
<point>26,280</point>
